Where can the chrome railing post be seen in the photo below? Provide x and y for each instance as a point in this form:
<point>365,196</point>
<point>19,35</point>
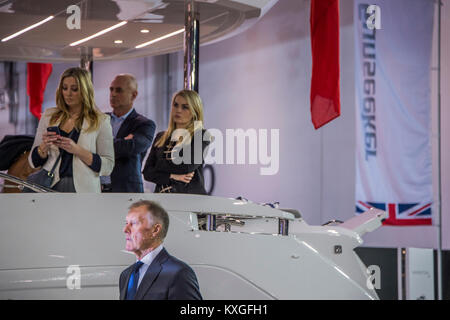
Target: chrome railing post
<point>283,227</point>
<point>211,224</point>
<point>191,46</point>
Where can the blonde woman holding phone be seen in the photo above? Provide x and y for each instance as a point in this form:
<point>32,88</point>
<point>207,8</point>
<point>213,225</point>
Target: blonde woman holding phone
<point>75,138</point>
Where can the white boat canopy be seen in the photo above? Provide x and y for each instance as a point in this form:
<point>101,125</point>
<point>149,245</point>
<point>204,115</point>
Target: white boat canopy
<point>53,31</point>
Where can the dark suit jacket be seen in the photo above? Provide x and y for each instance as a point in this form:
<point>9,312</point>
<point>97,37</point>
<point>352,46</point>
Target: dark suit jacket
<point>167,278</point>
<point>129,154</point>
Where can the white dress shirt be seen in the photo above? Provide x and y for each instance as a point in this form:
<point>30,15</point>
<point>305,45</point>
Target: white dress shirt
<point>147,260</point>
<point>116,121</point>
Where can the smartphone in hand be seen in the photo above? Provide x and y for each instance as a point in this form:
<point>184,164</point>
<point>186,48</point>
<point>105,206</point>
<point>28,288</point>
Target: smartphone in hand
<point>54,129</point>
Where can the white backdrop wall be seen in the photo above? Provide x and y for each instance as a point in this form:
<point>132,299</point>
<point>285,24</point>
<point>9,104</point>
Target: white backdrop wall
<point>260,80</point>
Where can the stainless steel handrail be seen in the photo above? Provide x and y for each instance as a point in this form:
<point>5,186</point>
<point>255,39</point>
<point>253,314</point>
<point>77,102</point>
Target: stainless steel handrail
<point>25,184</point>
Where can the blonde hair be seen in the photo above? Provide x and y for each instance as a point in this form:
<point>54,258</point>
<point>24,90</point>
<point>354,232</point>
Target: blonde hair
<point>89,110</point>
<point>195,106</point>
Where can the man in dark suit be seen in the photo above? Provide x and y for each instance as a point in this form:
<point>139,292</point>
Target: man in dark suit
<point>156,275</point>
<point>133,134</point>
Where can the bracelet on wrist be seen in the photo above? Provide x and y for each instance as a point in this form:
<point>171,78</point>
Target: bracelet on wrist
<point>41,152</point>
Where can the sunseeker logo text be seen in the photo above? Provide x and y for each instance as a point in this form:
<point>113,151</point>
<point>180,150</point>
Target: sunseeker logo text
<point>368,102</point>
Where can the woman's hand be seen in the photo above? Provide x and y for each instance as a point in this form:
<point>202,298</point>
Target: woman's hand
<point>186,178</point>
<point>48,139</point>
<point>68,145</point>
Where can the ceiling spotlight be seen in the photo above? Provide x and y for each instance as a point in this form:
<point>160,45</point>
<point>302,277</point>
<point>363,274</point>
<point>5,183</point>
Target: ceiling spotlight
<point>145,31</point>
<point>118,41</point>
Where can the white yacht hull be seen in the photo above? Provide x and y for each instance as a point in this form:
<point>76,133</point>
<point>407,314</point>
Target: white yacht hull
<point>71,246</point>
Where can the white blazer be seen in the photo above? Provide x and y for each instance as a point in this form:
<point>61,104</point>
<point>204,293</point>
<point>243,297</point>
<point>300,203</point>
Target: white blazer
<point>100,141</point>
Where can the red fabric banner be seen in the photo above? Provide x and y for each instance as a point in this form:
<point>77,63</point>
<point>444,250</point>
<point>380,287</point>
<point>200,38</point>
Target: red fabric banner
<point>325,99</point>
<point>37,76</point>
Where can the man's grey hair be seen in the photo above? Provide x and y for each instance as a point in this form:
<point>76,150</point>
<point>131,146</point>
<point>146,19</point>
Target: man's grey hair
<point>157,212</point>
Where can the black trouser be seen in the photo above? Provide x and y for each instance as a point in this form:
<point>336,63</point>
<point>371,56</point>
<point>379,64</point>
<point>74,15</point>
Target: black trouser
<point>65,185</point>
<point>106,188</point>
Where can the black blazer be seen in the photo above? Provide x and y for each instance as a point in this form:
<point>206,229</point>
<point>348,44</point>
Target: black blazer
<point>158,168</point>
<point>167,278</point>
<point>129,154</point>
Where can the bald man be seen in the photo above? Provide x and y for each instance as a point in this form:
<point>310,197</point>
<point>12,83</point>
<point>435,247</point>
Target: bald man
<point>133,134</point>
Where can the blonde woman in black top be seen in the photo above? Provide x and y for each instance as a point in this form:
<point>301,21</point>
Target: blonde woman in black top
<point>175,162</point>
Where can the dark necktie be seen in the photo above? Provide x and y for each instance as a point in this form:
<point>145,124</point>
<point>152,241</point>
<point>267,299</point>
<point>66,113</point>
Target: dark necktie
<point>133,282</point>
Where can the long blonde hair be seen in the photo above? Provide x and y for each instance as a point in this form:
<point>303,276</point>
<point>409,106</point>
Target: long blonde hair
<point>89,110</point>
<point>195,106</point>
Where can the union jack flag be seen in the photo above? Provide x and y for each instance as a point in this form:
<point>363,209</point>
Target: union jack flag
<point>400,214</point>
